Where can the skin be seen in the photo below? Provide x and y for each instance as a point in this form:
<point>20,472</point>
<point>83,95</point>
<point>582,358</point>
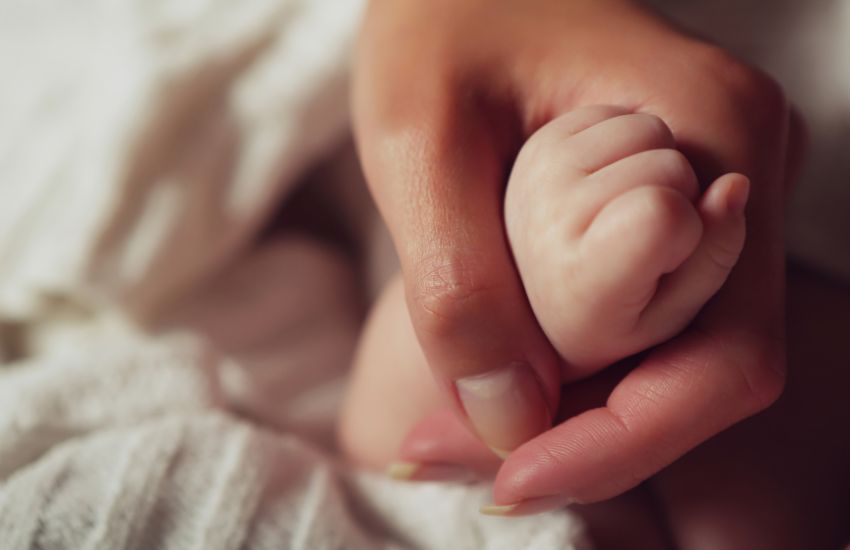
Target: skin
<point>777,480</point>
<point>439,117</point>
<point>616,247</point>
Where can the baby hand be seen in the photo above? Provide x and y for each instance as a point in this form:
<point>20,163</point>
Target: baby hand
<point>617,248</point>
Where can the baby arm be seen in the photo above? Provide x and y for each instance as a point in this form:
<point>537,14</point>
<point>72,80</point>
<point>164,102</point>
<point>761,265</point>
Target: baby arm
<point>391,387</point>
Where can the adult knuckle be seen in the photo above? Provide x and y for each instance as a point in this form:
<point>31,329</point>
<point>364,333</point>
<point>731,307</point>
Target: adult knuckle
<point>757,87</point>
<point>763,98</point>
<point>760,98</point>
<point>444,288</point>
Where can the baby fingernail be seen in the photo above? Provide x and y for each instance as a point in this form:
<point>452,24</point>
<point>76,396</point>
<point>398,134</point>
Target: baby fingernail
<point>418,471</point>
<point>527,507</point>
<point>506,407</point>
<point>738,195</point>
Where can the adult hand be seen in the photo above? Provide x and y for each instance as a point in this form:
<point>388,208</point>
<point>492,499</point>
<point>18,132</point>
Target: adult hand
<point>777,480</point>
<point>445,93</point>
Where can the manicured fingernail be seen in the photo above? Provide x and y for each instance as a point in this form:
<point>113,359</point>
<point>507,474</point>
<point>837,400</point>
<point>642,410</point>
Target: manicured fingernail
<point>507,406</point>
<point>402,470</point>
<point>501,453</point>
<point>418,471</point>
<point>527,507</point>
<point>737,195</point>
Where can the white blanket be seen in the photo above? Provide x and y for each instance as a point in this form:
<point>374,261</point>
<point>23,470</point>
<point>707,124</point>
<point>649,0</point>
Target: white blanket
<point>122,445</point>
<point>144,144</point>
